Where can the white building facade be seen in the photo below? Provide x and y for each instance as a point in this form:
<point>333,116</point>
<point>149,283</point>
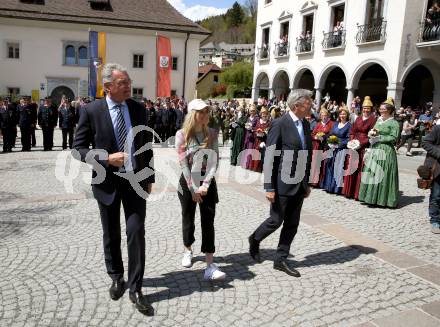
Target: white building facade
<point>348,48</point>
<point>47,56</point>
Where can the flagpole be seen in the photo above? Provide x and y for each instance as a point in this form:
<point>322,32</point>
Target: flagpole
<point>89,62</point>
<point>156,72</point>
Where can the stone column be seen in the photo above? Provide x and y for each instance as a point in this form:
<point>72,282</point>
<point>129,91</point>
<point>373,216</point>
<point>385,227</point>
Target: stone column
<point>271,92</point>
<point>318,98</point>
<point>255,94</point>
<point>350,97</point>
<point>395,90</point>
<point>436,100</point>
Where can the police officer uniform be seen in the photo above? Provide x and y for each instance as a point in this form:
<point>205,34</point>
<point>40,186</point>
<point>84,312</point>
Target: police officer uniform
<point>47,119</point>
<point>34,109</point>
<point>26,120</point>
<point>67,122</point>
<point>8,125</point>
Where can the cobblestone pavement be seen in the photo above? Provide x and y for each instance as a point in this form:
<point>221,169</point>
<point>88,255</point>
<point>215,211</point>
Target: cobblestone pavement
<point>360,266</point>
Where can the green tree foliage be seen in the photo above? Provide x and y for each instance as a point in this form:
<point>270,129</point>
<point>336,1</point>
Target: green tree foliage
<point>238,78</point>
<point>235,16</point>
<point>238,25</point>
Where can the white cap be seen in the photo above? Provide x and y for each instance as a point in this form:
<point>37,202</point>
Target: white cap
<point>197,104</point>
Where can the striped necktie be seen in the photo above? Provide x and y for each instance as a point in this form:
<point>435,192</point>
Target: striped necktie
<point>120,126</point>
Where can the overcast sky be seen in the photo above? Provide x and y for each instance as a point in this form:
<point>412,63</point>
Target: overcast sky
<point>199,9</point>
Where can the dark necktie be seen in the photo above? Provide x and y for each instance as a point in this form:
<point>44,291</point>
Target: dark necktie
<point>120,126</point>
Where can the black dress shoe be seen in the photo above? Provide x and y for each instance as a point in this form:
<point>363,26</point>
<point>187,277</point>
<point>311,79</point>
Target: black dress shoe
<point>141,303</point>
<point>117,289</point>
<point>254,249</point>
<point>284,266</point>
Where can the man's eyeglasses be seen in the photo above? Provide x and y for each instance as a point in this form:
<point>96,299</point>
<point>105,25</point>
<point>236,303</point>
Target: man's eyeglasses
<point>123,82</point>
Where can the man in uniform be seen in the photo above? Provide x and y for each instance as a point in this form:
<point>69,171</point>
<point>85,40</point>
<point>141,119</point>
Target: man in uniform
<point>34,109</point>
<point>8,122</point>
<point>26,120</point>
<point>12,107</point>
<point>47,119</point>
<point>67,121</point>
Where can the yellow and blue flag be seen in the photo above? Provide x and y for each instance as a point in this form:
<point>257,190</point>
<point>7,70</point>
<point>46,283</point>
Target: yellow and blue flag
<point>97,51</point>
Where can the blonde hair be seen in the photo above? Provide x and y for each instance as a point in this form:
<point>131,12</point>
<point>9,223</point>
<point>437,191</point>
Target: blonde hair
<point>324,111</point>
<point>189,128</point>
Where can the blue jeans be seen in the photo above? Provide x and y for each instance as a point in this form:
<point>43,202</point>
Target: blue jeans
<point>434,202</point>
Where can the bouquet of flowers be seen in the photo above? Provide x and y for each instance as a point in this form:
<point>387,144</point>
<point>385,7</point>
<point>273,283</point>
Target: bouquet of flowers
<point>373,136</point>
<point>373,133</point>
<point>333,141</point>
<point>354,144</point>
<point>248,125</point>
<point>260,132</point>
<point>320,136</point>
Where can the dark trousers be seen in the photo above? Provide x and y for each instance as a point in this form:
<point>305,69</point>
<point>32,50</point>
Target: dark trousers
<point>284,211</point>
<point>47,138</point>
<point>207,214</point>
<point>67,131</point>
<point>134,209</point>
<point>422,130</point>
<point>406,138</point>
<point>25,138</point>
<point>434,202</point>
<point>8,139</point>
<point>14,137</point>
<point>33,138</point>
<point>164,133</point>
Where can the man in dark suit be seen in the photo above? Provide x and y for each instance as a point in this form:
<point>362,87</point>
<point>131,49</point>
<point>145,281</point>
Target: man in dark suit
<point>431,143</point>
<point>109,123</point>
<point>286,175</point>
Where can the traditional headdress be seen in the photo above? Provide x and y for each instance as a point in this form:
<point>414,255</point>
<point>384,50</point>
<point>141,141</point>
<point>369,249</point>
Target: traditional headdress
<point>367,102</point>
<point>389,101</point>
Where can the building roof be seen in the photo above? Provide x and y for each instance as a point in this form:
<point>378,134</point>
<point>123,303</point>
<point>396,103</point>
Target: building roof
<point>206,69</point>
<point>141,14</point>
<point>227,46</point>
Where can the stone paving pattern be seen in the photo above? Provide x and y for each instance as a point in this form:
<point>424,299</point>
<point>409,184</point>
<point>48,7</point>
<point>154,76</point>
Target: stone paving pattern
<point>53,270</point>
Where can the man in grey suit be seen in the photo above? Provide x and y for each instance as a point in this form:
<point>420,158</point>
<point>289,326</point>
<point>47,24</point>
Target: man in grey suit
<point>108,123</point>
<point>286,175</point>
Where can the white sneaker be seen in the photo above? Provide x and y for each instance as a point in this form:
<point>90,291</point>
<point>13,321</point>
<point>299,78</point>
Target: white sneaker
<point>187,259</point>
<point>213,273</point>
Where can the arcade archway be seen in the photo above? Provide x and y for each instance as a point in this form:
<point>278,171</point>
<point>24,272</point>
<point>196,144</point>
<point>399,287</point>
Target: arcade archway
<point>418,87</point>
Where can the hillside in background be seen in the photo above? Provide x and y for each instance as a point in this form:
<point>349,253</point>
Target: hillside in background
<point>237,25</point>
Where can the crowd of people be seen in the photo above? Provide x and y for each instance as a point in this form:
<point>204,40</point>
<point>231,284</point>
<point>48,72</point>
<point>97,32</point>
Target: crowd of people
<point>27,115</point>
<point>337,132</point>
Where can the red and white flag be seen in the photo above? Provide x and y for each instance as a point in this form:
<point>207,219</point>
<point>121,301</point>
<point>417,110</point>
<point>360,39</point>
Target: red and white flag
<point>163,79</point>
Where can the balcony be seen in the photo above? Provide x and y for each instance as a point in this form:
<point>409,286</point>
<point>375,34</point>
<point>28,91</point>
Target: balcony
<point>374,32</point>
<point>429,33</point>
<point>304,45</point>
<point>334,40</point>
<point>263,53</point>
<point>282,50</point>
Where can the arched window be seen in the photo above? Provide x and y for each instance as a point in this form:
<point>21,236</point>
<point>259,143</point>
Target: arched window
<point>70,55</point>
<point>82,54</point>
